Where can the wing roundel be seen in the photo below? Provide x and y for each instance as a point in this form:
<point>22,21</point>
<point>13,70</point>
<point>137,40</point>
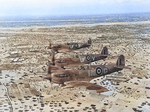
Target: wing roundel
<point>76,45</point>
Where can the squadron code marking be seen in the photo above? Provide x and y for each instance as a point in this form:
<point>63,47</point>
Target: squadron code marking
<point>105,70</point>
<point>93,58</point>
<point>82,59</point>
<point>71,46</point>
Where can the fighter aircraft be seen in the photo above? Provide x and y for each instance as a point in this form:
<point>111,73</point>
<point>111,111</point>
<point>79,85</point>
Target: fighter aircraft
<point>75,77</point>
<point>69,46</point>
<point>83,59</point>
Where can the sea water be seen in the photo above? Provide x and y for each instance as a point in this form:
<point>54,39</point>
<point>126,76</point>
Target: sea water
<point>71,20</point>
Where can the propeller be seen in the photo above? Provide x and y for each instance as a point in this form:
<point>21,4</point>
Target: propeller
<point>53,58</point>
<point>49,47</point>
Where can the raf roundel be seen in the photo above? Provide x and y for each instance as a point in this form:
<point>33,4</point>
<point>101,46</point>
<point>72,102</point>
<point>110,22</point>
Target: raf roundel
<point>98,71</point>
<point>76,45</point>
<point>88,58</point>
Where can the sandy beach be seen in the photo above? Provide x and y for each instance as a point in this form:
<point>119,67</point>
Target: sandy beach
<point>24,60</point>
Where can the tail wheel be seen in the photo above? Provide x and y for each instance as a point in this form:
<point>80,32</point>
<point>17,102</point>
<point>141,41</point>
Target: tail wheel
<point>76,45</point>
<point>88,58</point>
<point>98,71</point>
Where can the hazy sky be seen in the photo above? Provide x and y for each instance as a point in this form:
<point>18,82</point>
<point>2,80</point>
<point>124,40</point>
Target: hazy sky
<point>71,7</point>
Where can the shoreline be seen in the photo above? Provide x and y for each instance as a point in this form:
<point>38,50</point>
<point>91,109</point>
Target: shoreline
<point>80,25</point>
<point>105,23</point>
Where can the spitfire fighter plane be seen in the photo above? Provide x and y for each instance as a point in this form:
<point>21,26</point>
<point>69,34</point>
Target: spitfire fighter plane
<point>83,59</point>
<point>69,46</point>
<point>72,78</point>
<point>75,77</point>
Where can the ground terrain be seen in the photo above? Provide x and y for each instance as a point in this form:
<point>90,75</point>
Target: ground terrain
<point>24,59</point>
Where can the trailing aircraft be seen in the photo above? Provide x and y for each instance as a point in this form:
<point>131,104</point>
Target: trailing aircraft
<point>69,46</point>
<point>76,78</point>
<point>83,59</point>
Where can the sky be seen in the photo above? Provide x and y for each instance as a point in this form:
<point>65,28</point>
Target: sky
<point>71,7</point>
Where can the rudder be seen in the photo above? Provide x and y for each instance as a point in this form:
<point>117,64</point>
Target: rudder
<point>121,61</point>
<point>89,41</point>
<point>104,51</point>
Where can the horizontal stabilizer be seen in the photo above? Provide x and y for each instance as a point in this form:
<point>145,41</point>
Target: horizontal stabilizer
<point>105,54</point>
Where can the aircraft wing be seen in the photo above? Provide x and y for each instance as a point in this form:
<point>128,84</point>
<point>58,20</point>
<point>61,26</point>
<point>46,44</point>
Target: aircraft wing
<point>65,46</point>
<point>89,86</point>
<point>63,50</point>
<point>56,68</point>
<point>73,65</point>
<point>126,67</point>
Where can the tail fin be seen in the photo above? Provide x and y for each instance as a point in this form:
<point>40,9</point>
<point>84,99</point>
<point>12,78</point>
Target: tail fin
<point>89,41</point>
<point>104,51</point>
<point>53,58</point>
<point>121,61</point>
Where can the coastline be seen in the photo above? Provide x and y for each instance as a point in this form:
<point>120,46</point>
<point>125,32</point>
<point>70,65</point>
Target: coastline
<point>105,23</point>
<point>81,25</point>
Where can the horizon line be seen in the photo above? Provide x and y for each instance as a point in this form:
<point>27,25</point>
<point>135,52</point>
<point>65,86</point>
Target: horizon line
<point>72,14</point>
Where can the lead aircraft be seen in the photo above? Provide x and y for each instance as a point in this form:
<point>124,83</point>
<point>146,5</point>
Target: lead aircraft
<point>77,78</point>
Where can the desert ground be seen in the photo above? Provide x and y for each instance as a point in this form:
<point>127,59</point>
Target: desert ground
<point>24,60</point>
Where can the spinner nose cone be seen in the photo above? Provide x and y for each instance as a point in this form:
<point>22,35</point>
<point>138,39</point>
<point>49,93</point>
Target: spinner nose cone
<point>49,47</point>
